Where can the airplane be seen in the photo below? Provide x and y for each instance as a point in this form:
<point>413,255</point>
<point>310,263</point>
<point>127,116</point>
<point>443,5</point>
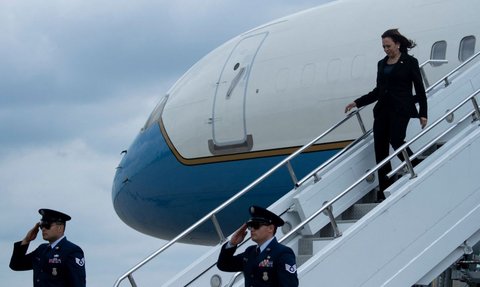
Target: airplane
<point>258,97</point>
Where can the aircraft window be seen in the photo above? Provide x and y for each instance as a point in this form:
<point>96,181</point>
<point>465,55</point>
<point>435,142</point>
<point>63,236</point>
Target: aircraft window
<point>358,66</point>
<point>281,82</point>
<point>333,70</point>
<point>439,52</point>
<point>467,48</point>
<point>308,75</point>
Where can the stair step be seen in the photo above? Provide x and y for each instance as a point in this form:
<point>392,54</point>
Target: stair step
<point>357,211</point>
<point>300,259</point>
<point>327,231</point>
<point>430,150</point>
<point>311,245</point>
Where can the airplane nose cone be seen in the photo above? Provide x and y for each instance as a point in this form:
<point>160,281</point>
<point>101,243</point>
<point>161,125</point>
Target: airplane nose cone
<point>134,192</point>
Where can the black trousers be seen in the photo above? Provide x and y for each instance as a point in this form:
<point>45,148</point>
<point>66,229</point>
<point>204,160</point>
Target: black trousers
<point>388,129</point>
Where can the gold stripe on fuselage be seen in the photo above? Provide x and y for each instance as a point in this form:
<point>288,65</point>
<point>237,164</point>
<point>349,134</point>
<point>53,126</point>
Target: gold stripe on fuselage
<point>247,155</point>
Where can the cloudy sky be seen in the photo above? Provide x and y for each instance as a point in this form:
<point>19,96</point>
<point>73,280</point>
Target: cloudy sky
<point>78,79</point>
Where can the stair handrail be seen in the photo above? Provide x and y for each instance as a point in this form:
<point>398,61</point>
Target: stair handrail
<point>427,146</point>
<point>445,78</point>
<point>401,149</point>
<point>476,113</point>
<point>429,61</point>
<point>212,215</point>
<point>314,172</point>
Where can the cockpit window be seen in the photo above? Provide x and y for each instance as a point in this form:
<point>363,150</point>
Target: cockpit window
<point>156,114</point>
<point>467,48</point>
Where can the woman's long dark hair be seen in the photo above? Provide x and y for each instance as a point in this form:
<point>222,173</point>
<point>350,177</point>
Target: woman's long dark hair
<point>405,44</point>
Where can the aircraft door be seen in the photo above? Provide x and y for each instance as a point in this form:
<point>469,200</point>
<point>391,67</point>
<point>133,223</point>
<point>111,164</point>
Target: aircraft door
<point>228,115</point>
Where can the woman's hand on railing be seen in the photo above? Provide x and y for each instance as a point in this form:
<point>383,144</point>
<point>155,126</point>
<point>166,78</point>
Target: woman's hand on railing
<point>350,106</point>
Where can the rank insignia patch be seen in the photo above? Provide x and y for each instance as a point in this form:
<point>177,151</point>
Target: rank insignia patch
<point>79,261</point>
<point>292,269</point>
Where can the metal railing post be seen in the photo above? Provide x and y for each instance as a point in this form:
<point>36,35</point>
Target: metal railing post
<point>328,212</point>
<point>409,164</point>
<point>422,70</point>
<point>292,173</point>
<point>424,77</point>
<point>477,110</point>
<point>132,281</point>
<point>218,228</point>
<point>360,122</point>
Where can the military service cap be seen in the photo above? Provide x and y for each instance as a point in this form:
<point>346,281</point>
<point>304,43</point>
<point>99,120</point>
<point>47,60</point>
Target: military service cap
<point>262,215</point>
<point>49,215</point>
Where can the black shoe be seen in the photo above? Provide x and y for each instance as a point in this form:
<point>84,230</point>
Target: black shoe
<point>380,196</point>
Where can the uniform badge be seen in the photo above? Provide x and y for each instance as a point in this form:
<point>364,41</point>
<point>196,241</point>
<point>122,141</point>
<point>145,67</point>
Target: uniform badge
<point>55,260</point>
<point>292,269</point>
<point>80,261</point>
<point>54,271</point>
<point>265,263</point>
<point>265,276</point>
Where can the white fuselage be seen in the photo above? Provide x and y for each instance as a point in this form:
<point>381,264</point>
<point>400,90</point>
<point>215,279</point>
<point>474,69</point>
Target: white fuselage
<point>294,75</point>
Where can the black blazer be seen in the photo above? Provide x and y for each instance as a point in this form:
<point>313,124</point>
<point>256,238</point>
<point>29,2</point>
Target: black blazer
<point>393,92</point>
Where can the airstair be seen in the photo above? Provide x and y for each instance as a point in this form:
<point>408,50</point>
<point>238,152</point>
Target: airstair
<point>427,227</point>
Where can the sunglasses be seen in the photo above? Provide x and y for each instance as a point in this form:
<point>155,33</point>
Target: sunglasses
<point>256,224</point>
<point>46,225</point>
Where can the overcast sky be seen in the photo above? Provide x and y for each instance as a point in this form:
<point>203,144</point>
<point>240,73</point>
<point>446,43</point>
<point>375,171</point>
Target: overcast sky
<point>78,79</point>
